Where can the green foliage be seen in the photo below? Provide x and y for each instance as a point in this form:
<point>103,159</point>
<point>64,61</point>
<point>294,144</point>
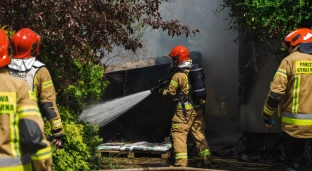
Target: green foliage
<point>70,31</point>
<point>77,82</point>
<point>78,79</point>
<point>7,32</point>
<point>264,20</point>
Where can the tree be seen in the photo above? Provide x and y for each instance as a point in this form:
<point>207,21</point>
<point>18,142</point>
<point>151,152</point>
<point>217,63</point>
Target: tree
<point>264,21</point>
<point>71,31</point>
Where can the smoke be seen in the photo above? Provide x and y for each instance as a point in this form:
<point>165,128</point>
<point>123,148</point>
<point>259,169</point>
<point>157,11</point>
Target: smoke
<point>216,44</point>
<point>219,52</point>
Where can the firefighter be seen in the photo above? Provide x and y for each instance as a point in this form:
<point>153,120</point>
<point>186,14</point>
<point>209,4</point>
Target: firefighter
<point>186,119</point>
<point>22,138</point>
<point>292,84</point>
<point>24,65</point>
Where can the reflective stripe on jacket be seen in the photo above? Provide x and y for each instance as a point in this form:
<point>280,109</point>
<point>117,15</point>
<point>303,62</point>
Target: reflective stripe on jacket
<point>293,83</point>
<point>14,161</point>
<point>17,104</point>
<point>39,79</point>
<point>180,84</point>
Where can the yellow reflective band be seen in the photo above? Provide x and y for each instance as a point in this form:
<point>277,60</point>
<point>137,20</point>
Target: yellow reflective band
<point>47,84</point>
<point>26,167</point>
<point>204,153</point>
<point>14,135</point>
<point>187,106</point>
<point>303,67</point>
<point>8,105</point>
<point>187,84</point>
<point>42,154</point>
<point>293,121</point>
<point>295,94</point>
<point>281,72</point>
<point>175,126</point>
<point>28,111</point>
<point>56,123</point>
<point>35,86</point>
<point>268,111</point>
<point>32,95</point>
<point>173,83</point>
<point>8,102</point>
<point>181,156</point>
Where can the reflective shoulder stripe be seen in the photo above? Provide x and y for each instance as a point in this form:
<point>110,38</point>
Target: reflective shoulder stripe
<point>13,161</point>
<point>281,72</point>
<point>42,154</point>
<point>173,83</point>
<point>47,84</point>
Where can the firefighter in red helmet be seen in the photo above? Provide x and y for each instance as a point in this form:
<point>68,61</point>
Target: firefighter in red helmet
<point>186,119</point>
<point>22,137</point>
<point>292,85</point>
<point>24,65</point>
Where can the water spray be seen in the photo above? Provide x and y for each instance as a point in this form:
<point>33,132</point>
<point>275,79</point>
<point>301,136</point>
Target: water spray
<point>105,112</point>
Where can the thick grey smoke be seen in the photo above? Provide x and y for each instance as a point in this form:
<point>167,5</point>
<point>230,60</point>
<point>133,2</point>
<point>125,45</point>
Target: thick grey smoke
<point>219,52</point>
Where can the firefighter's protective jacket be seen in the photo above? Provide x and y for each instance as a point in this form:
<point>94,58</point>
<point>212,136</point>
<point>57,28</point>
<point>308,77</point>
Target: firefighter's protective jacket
<point>39,79</point>
<point>293,83</point>
<point>21,135</point>
<point>179,85</point>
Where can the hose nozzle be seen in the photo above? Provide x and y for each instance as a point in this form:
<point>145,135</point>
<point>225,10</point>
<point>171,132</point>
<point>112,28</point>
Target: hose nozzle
<point>161,84</point>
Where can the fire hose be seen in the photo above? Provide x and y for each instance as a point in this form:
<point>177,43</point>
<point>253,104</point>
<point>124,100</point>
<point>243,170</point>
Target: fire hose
<point>161,84</point>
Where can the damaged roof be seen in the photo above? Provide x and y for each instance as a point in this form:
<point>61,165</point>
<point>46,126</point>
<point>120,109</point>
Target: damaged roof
<point>144,63</point>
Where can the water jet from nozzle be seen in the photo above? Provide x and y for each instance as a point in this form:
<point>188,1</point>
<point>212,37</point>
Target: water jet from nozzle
<point>105,112</point>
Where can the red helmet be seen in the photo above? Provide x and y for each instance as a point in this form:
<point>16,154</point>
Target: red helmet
<point>25,43</point>
<point>5,58</point>
<point>181,53</point>
<point>298,36</point>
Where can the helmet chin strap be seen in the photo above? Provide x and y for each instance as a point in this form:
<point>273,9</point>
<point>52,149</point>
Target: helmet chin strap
<point>174,65</point>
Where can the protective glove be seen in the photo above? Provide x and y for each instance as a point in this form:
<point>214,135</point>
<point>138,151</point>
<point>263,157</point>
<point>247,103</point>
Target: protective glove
<point>57,141</point>
<point>162,90</point>
<point>165,92</point>
<point>269,122</point>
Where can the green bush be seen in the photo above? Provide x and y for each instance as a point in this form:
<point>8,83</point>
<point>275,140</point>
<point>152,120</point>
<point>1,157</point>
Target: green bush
<point>81,84</point>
